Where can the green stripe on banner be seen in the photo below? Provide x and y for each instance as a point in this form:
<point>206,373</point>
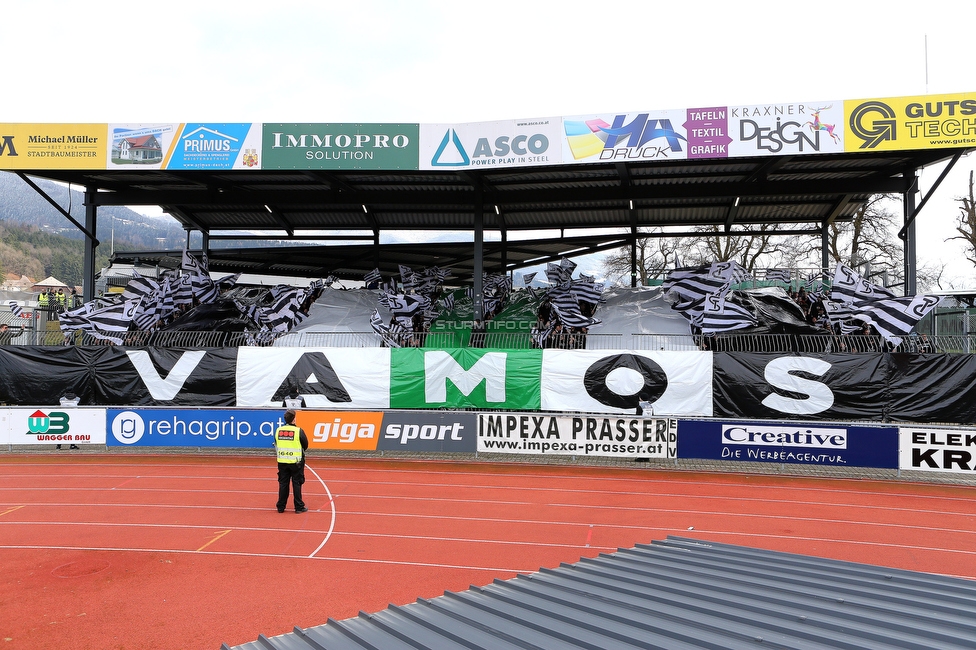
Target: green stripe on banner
<point>464,378</point>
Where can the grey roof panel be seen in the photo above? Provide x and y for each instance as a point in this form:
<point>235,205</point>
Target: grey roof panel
<point>677,594</point>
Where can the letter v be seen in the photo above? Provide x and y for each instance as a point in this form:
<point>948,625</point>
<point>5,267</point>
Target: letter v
<point>164,389</point>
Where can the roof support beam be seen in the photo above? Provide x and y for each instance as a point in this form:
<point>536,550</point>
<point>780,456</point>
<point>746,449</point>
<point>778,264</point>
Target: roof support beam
<point>88,233</point>
<point>925,199</point>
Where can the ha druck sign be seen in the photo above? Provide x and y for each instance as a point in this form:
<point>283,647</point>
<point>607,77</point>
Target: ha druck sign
<point>789,443</point>
<point>931,449</point>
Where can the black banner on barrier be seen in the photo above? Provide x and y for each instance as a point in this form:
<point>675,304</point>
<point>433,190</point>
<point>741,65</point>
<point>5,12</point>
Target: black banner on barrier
<point>777,386</point>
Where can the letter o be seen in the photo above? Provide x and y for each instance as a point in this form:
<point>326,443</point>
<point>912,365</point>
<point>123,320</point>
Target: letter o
<point>400,141</point>
<point>538,143</point>
<point>655,380</point>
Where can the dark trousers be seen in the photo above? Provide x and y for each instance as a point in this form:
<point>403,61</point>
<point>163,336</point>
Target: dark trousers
<point>293,473</point>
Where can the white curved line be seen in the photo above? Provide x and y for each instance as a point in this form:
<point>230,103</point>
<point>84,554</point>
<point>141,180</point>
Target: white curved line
<point>331,503</point>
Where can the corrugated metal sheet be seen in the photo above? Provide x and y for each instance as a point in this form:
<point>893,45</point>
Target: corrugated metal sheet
<point>677,594</point>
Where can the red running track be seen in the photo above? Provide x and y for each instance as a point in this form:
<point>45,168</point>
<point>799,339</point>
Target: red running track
<point>104,551</point>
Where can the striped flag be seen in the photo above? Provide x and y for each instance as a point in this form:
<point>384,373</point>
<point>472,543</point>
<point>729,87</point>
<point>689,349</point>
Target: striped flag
<point>722,315</point>
<point>850,286</point>
<point>373,277</point>
<point>15,309</point>
<point>896,317</point>
<point>779,275</point>
<point>139,286</point>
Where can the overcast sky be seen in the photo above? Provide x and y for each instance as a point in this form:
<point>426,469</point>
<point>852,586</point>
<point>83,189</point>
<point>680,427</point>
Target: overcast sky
<point>371,61</point>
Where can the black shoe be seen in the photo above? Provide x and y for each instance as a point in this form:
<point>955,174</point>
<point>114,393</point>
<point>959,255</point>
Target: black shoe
<point>301,510</point>
<point>58,447</point>
<point>281,509</point>
<point>74,447</point>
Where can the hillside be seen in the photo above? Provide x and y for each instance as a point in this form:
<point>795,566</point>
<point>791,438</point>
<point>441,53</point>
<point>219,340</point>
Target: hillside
<point>36,240</point>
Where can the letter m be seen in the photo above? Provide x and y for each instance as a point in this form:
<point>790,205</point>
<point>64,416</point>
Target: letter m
<point>440,367</point>
<point>7,145</point>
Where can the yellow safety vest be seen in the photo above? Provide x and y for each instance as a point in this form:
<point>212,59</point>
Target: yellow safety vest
<point>289,444</point>
<point>42,300</point>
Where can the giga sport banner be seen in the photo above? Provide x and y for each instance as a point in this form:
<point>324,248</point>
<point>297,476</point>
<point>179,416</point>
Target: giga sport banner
<point>634,437</point>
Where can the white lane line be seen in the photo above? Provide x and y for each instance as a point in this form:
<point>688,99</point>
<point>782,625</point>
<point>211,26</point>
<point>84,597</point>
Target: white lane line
<point>357,560</point>
<point>331,503</point>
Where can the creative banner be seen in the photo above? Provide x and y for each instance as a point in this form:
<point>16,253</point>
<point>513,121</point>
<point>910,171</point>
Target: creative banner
<point>53,146</point>
<point>832,444</point>
<point>616,381</point>
<point>520,433</point>
<point>209,428</point>
<point>508,143</point>
<point>56,426</point>
<point>937,449</point>
<point>901,123</point>
<point>465,378</point>
<point>341,146</point>
<point>335,378</point>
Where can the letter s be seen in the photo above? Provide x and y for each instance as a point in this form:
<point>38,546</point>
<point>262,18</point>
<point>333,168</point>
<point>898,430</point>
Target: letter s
<point>777,374</point>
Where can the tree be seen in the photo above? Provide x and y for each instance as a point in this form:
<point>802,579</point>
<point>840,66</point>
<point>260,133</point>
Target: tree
<point>655,255</point>
<point>867,238</point>
<point>966,222</point>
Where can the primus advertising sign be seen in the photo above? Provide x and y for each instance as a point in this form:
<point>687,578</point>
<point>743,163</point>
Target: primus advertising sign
<point>340,146</point>
<point>788,442</point>
<point>521,433</point>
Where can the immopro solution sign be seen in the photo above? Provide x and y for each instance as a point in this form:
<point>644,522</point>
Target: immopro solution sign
<point>340,146</point>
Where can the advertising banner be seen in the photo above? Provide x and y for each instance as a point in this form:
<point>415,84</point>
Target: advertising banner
<point>335,378</point>
<point>432,431</point>
<point>508,143</point>
<point>200,145</point>
<point>521,433</point>
<point>833,444</point>
<point>53,146</point>
<point>937,449</point>
<point>902,123</point>
<point>139,146</point>
<point>341,146</point>
<point>465,378</point>
<point>57,425</point>
<point>616,381</point>
<point>210,428</point>
<point>625,137</point>
<point>769,129</point>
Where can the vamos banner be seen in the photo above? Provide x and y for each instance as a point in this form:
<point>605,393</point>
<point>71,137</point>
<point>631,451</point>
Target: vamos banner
<point>605,381</point>
<point>519,433</point>
<point>934,449</point>
<point>56,425</point>
<point>789,442</point>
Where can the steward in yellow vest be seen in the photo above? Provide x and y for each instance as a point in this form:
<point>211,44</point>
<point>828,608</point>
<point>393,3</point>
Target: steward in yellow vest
<point>290,445</point>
